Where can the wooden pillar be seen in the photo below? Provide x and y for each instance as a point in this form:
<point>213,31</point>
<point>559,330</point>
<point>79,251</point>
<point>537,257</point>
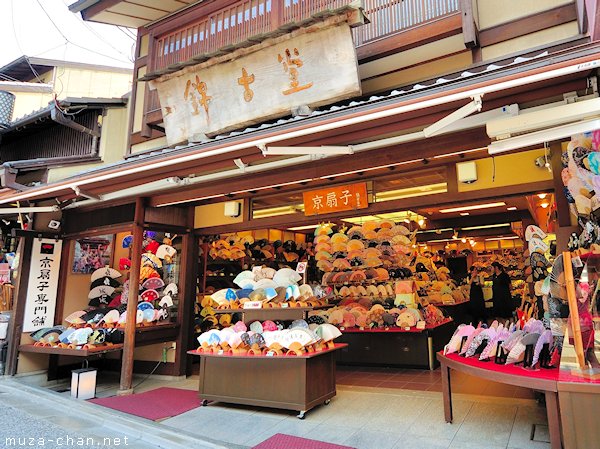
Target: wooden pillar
<point>18,313</point>
<point>470,32</point>
<point>562,205</point>
<point>134,290</point>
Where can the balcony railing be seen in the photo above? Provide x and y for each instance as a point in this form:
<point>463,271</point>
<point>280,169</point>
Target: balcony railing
<point>393,16</point>
<point>246,18</point>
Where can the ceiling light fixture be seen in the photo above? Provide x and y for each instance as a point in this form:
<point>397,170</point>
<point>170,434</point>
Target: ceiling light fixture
<point>544,205</point>
<point>463,240</point>
<point>512,237</point>
<point>302,228</point>
<point>511,208</point>
<point>464,214</point>
<point>541,196</point>
<point>474,207</point>
<point>492,226</point>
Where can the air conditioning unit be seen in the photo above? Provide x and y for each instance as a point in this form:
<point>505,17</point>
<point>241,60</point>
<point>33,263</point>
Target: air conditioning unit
<point>543,118</point>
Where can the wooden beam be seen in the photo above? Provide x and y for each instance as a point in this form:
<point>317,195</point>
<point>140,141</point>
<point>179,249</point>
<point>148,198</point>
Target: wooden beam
<point>414,37</point>
<point>528,24</point>
<point>562,205</point>
<point>126,382</point>
<point>469,28</point>
<point>20,297</point>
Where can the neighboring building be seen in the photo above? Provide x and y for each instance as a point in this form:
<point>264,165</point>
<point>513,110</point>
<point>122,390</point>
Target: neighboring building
<point>66,114</point>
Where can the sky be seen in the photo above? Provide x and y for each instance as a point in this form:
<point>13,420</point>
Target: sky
<point>47,29</point>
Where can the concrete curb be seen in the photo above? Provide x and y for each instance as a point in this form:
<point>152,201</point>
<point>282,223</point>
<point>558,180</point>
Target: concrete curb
<point>136,428</point>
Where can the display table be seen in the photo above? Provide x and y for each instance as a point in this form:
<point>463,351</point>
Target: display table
<point>286,382</point>
<point>545,380</point>
<point>412,347</point>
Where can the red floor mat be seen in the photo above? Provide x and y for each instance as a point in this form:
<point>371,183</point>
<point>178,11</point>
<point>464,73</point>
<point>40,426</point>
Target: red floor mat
<point>155,404</point>
<point>282,441</point>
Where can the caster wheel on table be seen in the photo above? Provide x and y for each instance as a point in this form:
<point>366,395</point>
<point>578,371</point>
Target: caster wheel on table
<point>301,415</point>
<point>327,402</point>
<point>204,402</point>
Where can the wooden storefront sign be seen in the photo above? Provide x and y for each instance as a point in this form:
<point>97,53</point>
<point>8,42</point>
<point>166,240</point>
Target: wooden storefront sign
<point>264,82</point>
<point>336,199</point>
<point>43,284</point>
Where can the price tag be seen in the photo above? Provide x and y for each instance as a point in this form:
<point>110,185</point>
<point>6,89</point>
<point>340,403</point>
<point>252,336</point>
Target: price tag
<point>407,328</point>
<point>270,354</point>
<point>421,325</point>
<point>577,262</point>
<point>253,305</point>
<point>301,268</point>
<point>362,328</point>
<point>220,352</point>
<point>284,305</point>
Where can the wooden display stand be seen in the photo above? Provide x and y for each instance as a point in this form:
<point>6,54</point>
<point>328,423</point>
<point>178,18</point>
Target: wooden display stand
<point>286,382</point>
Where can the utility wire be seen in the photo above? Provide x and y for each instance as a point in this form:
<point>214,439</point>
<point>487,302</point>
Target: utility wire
<point>95,33</point>
<point>129,35</point>
<point>12,13</point>
<point>73,43</point>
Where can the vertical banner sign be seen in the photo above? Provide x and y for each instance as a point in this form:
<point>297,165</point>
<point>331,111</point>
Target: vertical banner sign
<point>336,199</point>
<point>43,284</point>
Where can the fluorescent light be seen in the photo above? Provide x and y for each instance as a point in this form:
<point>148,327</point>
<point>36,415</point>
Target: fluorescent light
<point>411,192</point>
<point>274,211</point>
<point>546,135</point>
<point>511,208</point>
<point>475,207</point>
<point>435,230</point>
<point>513,237</point>
<point>302,228</point>
<point>464,214</point>
<point>500,225</point>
